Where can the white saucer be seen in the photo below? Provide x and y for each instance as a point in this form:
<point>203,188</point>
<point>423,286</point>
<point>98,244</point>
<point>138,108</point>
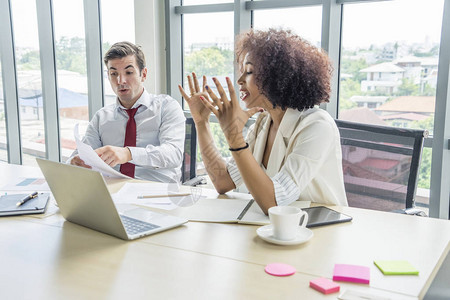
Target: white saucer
<point>266,233</point>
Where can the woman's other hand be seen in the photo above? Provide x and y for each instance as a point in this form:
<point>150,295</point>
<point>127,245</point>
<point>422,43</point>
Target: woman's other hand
<point>231,116</point>
<point>199,112</point>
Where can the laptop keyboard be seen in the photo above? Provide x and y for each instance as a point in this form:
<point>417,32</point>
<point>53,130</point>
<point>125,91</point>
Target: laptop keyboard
<point>133,226</point>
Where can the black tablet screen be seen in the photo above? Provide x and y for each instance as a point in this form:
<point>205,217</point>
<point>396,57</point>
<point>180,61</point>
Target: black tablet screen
<point>321,215</point>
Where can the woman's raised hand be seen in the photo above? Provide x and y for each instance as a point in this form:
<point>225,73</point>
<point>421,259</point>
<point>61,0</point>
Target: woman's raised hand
<point>231,116</point>
<point>198,111</point>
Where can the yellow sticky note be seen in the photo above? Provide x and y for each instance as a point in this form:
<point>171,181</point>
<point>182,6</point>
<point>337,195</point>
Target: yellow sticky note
<point>396,267</point>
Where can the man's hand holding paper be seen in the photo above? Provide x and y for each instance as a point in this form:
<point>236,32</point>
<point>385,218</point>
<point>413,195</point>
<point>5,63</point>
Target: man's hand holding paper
<point>90,158</point>
<point>113,155</point>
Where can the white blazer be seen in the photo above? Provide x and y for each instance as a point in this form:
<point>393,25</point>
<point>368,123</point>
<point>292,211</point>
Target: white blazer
<point>306,160</point>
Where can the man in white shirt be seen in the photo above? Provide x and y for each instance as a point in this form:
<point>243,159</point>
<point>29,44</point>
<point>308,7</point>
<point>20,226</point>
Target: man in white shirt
<point>148,146</point>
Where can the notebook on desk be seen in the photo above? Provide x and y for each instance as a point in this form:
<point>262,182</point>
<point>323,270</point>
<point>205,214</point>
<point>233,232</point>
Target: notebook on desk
<point>243,211</point>
<point>9,207</point>
<point>83,198</point>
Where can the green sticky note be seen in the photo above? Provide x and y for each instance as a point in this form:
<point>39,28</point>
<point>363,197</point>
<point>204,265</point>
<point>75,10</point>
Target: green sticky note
<point>396,267</point>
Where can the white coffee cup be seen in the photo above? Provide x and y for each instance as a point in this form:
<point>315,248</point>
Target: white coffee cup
<point>285,221</point>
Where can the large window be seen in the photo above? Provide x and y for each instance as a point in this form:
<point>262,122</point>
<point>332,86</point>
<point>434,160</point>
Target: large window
<point>117,26</point>
<point>29,80</point>
<point>389,65</point>
<point>71,71</point>
<point>390,68</point>
<point>211,54</point>
<point>386,55</point>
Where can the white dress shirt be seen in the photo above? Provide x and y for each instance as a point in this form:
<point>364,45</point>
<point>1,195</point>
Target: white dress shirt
<point>160,130</point>
<point>305,162</point>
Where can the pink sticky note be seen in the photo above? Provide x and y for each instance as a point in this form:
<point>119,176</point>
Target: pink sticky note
<point>351,273</point>
<point>277,269</point>
<point>324,285</point>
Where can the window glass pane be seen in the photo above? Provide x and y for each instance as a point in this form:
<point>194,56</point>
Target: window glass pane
<point>210,53</point>
<point>389,68</point>
<point>389,65</point>
<point>3,141</point>
<point>71,71</point>
<point>117,26</point>
<point>304,21</point>
<point>28,80</point>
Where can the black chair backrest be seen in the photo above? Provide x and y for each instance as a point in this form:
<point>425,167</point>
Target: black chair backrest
<point>380,164</point>
<point>189,167</point>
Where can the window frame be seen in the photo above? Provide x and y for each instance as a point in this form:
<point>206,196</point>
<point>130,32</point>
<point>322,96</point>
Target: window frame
<point>45,13</point>
<point>10,93</point>
<point>332,12</point>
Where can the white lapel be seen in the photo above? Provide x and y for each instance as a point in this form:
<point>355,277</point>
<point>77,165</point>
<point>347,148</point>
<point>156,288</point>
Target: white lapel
<point>261,139</point>
<point>279,148</point>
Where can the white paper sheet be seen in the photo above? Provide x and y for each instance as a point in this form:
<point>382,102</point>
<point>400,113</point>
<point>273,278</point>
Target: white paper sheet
<point>350,294</point>
<point>130,193</point>
<point>91,158</point>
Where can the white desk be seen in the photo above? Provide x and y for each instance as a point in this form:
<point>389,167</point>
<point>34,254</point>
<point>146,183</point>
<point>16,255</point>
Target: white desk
<point>53,259</point>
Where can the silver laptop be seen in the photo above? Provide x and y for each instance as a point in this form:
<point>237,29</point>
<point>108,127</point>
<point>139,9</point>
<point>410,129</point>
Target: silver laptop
<point>84,199</point>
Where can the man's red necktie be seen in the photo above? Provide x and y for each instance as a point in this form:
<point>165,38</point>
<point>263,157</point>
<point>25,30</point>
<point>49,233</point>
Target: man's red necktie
<point>130,140</point>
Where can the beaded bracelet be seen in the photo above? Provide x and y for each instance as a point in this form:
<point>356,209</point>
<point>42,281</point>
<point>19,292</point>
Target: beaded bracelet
<point>238,149</point>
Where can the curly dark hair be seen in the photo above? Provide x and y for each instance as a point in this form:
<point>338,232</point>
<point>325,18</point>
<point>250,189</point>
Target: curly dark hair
<point>288,70</point>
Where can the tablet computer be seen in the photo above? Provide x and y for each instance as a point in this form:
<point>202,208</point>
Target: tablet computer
<point>321,215</point>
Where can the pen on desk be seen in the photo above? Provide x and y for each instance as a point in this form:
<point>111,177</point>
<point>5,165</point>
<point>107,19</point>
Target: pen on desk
<point>162,196</point>
<point>29,197</point>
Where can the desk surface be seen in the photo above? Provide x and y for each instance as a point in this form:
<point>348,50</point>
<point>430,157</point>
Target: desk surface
<point>50,258</point>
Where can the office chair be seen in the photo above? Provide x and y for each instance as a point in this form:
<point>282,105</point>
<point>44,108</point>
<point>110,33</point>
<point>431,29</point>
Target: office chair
<point>189,166</point>
<point>380,165</point>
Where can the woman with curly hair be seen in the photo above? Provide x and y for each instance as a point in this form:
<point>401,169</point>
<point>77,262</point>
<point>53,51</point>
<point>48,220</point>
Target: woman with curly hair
<point>292,152</point>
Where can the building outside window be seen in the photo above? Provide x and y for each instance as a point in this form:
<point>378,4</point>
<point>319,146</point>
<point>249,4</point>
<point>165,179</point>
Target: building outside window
<point>386,53</point>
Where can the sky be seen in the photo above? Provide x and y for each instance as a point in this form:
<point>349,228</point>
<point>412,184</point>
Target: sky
<point>364,23</point>
<point>402,20</point>
<point>117,16</point>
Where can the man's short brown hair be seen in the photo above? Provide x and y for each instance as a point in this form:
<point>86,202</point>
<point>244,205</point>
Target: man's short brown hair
<point>123,49</point>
